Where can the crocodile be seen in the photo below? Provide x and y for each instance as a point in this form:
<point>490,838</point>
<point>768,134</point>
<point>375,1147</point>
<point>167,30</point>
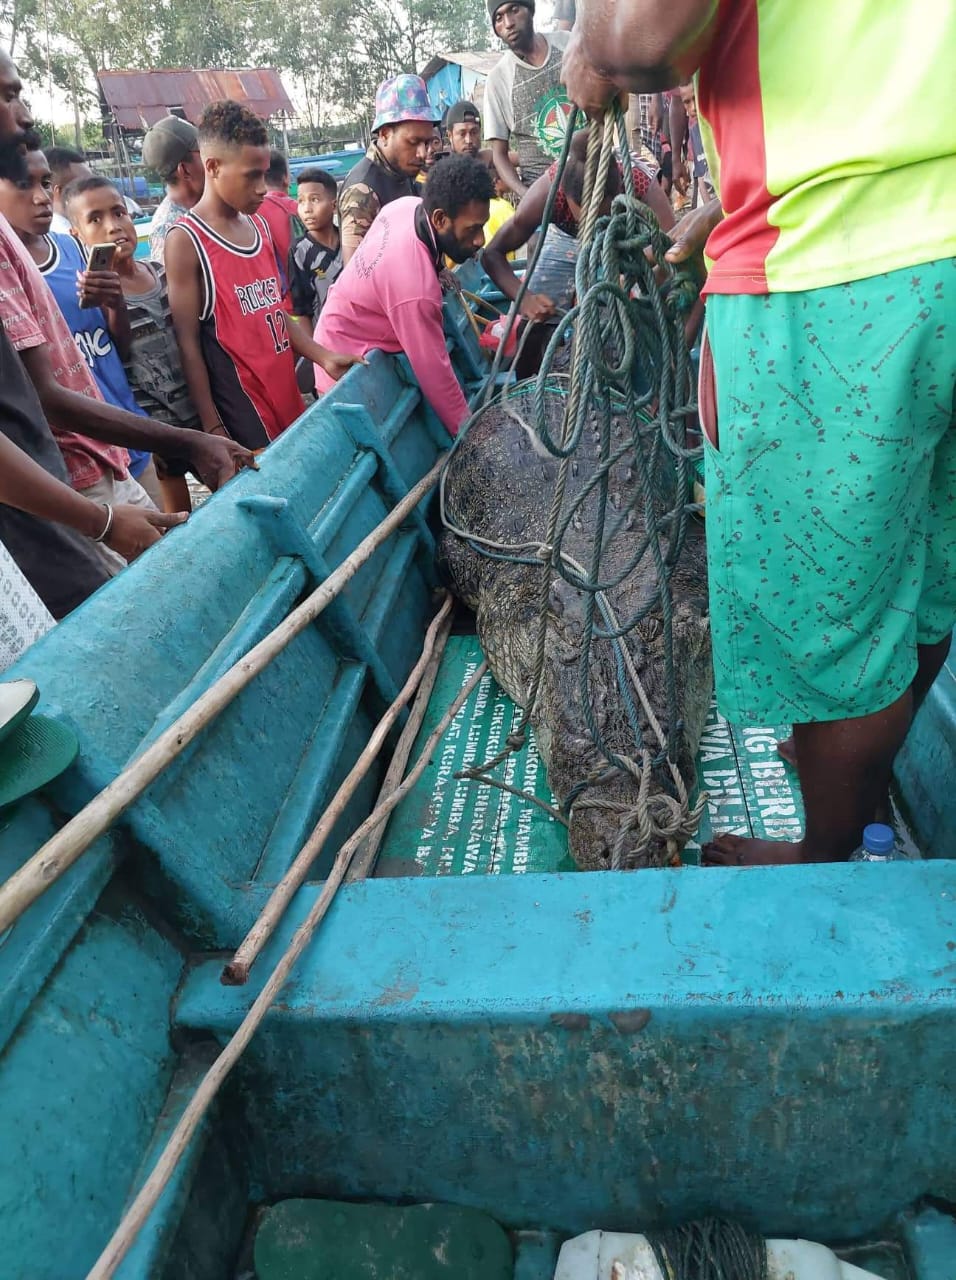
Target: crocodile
<point>498,488</point>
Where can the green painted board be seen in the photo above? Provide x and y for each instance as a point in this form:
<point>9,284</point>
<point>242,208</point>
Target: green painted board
<point>750,790</point>
<point>325,1240</point>
<point>457,827</point>
<point>449,826</point>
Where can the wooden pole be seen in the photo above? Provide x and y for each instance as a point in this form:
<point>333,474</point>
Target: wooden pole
<point>62,850</point>
<point>134,1218</point>
<point>236,971</point>
<point>364,858</point>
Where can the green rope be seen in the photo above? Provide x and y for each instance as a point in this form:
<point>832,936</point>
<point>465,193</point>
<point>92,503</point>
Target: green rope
<point>712,1249</point>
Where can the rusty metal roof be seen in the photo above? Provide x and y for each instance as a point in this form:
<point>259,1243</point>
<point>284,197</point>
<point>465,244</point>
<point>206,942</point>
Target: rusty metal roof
<point>138,99</point>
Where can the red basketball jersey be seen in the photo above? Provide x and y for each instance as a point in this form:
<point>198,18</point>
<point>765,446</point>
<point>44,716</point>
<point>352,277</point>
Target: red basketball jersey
<point>244,331</point>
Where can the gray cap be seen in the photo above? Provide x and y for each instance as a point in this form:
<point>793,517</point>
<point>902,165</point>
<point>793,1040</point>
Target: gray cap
<point>168,144</point>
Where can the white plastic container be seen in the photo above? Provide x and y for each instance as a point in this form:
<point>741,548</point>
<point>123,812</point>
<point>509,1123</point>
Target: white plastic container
<point>608,1255</point>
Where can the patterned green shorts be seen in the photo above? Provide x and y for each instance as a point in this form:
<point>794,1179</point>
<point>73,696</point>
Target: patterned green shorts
<point>831,493</point>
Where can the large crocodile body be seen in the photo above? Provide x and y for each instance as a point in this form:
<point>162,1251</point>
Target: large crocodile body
<point>498,489</point>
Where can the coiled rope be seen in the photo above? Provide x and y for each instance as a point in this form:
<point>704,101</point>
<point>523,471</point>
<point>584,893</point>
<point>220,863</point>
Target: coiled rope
<point>712,1249</point>
<point>621,309</point>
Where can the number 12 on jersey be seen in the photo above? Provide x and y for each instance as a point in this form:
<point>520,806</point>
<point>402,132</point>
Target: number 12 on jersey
<point>279,328</point>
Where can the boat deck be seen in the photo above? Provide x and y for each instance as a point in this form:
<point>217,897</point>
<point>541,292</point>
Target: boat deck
<point>449,826</point>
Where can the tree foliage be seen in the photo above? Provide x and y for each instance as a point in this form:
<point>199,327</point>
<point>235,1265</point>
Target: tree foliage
<point>337,51</point>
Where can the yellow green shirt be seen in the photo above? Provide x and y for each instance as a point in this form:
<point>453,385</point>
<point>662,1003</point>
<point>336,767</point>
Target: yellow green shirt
<point>830,139</point>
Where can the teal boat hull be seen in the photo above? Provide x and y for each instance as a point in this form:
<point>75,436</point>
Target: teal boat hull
<point>561,1051</point>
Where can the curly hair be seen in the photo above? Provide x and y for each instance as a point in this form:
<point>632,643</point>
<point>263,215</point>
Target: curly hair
<point>455,182</point>
<point>232,123</point>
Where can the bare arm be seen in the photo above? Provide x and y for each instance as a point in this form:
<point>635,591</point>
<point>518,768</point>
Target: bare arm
<point>303,344</point>
<point>646,45</point>
<point>184,283</point>
<point>506,169</point>
<point>642,46</point>
<point>692,231</point>
<point>73,411</point>
<point>660,206</point>
<point>27,487</point>
<point>513,235</point>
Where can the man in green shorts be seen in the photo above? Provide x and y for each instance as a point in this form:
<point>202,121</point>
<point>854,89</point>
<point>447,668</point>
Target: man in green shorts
<point>827,390</point>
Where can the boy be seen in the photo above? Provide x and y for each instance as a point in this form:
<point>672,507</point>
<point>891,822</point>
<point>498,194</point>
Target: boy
<point>98,215</point>
<point>237,338</point>
<point>317,256</point>
<point>27,205</point>
<point>278,208</point>
<point>500,210</point>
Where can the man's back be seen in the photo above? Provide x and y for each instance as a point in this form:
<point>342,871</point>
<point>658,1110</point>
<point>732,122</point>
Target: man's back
<point>811,202</point>
<point>389,298</point>
<point>281,212</point>
<point>392,268</point>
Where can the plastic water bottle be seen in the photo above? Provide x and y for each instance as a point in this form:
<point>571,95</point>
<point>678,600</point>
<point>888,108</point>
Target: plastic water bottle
<point>879,844</point>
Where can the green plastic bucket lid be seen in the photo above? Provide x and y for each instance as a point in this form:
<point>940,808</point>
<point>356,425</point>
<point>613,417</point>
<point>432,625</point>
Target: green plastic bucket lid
<point>17,700</point>
<point>33,755</point>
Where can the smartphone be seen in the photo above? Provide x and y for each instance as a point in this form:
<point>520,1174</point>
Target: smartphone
<point>101,257</point>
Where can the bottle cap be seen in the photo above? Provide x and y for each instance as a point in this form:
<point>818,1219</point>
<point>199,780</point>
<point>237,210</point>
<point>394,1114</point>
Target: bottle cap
<point>878,838</point>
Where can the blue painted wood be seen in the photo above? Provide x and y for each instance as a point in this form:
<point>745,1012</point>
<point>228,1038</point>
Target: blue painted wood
<point>148,1254</point>
<point>310,788</point>
<point>288,537</point>
<point>561,1051</point>
<point>930,1238</point>
<point>570,1050</point>
<point>33,946</point>
<point>81,1086</point>
<point>924,768</point>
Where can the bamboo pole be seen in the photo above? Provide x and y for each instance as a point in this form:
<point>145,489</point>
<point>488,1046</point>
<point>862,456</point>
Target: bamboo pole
<point>236,971</point>
<point>63,849</point>
<point>364,858</point>
<point>471,316</point>
<point>134,1218</point>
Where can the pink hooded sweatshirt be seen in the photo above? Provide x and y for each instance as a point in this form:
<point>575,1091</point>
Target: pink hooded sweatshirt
<point>389,298</point>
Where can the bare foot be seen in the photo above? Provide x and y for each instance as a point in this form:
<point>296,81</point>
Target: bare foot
<point>740,851</point>
<point>788,750</point>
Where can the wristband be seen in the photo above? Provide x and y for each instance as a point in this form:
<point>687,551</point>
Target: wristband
<point>109,524</point>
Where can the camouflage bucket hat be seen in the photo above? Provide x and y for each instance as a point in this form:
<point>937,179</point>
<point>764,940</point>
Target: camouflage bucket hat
<point>402,98</point>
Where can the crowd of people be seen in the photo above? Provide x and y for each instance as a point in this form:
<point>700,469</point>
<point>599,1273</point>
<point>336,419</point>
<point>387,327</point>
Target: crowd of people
<point>830,284</point>
<point>132,372</point>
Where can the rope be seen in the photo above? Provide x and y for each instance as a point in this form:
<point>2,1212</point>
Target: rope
<point>615,333</point>
<point>712,1249</point>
